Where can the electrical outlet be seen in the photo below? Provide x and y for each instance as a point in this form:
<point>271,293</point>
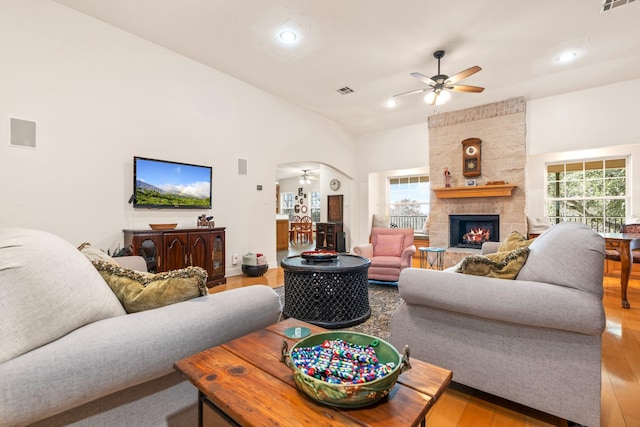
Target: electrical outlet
<point>234,259</point>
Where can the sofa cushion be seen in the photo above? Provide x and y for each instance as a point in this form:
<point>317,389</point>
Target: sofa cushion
<point>47,289</point>
<point>547,259</point>
<point>502,265</point>
<point>388,245</point>
<point>139,291</point>
<point>514,241</point>
<point>94,254</point>
<point>386,262</point>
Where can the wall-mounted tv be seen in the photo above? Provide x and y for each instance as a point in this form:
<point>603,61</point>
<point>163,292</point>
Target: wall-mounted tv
<point>165,184</point>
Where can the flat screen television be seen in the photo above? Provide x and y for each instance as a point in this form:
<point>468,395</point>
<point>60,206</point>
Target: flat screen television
<point>165,184</point>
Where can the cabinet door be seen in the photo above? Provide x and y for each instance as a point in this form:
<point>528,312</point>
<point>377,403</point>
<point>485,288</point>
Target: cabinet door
<point>149,247</point>
<point>200,250</point>
<point>217,257</point>
<point>176,250</point>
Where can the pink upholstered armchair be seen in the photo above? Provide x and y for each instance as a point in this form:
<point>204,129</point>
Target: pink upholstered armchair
<point>390,251</point>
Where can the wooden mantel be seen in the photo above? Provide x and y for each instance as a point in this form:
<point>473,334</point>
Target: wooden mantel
<point>501,190</point>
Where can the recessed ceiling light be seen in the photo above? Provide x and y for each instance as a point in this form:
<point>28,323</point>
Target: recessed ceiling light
<point>288,36</point>
<point>567,57</point>
<point>391,103</point>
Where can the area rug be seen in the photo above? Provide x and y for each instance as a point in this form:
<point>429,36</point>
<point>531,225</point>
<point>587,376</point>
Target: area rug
<point>383,299</point>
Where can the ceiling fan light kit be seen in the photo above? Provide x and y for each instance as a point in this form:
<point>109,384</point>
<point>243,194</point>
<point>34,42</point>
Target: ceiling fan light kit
<point>440,85</point>
<point>304,179</point>
<point>437,98</point>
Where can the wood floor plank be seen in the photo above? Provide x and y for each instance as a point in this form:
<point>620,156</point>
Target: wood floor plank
<point>625,387</point>
<point>448,409</point>
<point>505,417</point>
<point>477,413</point>
<point>610,413</point>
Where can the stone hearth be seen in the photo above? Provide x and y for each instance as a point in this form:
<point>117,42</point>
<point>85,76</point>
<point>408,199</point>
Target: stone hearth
<point>502,128</point>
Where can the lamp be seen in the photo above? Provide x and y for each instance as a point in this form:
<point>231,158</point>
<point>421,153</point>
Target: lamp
<point>442,97</point>
<point>304,179</point>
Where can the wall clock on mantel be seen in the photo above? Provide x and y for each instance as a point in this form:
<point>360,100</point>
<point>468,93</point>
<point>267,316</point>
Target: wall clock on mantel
<point>471,157</point>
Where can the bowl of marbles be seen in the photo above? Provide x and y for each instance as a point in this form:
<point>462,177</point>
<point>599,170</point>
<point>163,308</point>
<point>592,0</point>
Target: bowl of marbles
<point>343,368</point>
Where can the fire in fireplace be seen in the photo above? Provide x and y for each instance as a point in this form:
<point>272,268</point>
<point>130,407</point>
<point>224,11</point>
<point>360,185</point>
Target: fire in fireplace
<point>471,231</point>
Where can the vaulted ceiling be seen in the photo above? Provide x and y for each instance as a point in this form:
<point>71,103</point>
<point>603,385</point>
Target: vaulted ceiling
<point>371,46</point>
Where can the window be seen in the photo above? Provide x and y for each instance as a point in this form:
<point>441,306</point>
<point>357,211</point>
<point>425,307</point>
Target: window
<point>315,206</point>
<point>287,201</point>
<point>592,192</point>
<point>409,201</point>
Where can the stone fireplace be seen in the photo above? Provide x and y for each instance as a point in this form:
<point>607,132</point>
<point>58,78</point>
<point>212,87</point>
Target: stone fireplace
<point>471,231</point>
<point>502,128</point>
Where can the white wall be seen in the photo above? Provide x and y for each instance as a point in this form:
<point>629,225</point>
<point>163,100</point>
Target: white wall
<point>100,96</point>
<point>593,123</point>
<point>401,151</point>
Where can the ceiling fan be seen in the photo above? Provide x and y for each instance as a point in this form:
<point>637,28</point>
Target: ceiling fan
<point>441,84</point>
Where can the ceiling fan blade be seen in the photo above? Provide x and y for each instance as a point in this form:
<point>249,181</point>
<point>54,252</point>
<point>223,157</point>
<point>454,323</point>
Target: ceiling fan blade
<point>464,88</point>
<point>411,92</point>
<point>463,74</point>
<point>423,79</point>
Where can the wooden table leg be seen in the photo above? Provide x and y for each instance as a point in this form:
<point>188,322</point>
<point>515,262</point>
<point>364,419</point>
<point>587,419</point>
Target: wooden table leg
<point>625,270</point>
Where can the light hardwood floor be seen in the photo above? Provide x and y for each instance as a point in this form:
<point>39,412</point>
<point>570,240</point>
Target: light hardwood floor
<point>463,407</point>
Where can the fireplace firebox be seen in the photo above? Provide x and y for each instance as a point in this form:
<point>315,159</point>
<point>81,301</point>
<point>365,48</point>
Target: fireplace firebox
<point>471,231</point>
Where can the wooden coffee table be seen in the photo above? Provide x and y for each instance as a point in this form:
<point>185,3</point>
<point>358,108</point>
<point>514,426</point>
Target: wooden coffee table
<point>245,384</point>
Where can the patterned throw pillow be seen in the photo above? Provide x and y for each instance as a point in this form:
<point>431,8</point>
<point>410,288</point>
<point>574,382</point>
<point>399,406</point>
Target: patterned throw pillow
<point>514,241</point>
<point>139,291</point>
<point>94,254</point>
<point>502,265</point>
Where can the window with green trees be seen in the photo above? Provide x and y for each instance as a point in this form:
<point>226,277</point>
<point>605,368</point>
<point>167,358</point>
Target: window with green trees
<point>409,201</point>
<point>592,192</point>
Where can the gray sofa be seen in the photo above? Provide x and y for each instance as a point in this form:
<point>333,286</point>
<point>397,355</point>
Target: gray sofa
<point>70,355</point>
<point>535,340</point>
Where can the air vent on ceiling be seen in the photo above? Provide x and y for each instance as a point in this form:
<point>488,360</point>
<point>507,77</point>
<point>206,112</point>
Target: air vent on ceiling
<point>347,90</point>
<point>611,4</point>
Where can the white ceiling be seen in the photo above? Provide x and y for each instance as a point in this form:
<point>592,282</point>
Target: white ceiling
<point>371,46</point>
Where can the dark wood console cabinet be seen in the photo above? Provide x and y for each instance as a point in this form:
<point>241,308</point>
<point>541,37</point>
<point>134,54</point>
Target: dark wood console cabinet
<point>327,236</point>
<point>165,250</point>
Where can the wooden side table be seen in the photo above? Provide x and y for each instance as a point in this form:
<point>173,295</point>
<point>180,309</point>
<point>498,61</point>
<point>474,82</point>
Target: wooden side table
<point>243,383</point>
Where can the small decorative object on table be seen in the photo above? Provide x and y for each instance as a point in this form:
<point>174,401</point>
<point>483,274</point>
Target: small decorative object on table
<point>254,265</point>
<point>206,221</point>
<point>319,255</point>
<point>447,177</point>
<point>163,226</point>
<point>345,369</point>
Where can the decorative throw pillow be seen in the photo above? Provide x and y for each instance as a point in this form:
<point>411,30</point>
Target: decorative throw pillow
<point>381,221</point>
<point>139,291</point>
<point>425,227</point>
<point>514,241</point>
<point>503,265</point>
<point>94,254</point>
<point>388,245</point>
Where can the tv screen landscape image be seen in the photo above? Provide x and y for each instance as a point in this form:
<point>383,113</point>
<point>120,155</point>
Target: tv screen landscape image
<point>166,184</point>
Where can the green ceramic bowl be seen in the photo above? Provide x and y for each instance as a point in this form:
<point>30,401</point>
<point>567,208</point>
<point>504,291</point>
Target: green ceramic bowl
<point>348,395</point>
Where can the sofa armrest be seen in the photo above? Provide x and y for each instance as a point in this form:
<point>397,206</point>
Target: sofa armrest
<point>113,354</point>
<point>407,256</point>
<point>489,248</point>
<point>364,250</point>
<point>132,262</point>
<point>521,302</point>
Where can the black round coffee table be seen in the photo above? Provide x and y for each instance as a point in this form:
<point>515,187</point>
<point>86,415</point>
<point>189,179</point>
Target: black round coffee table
<point>331,294</point>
